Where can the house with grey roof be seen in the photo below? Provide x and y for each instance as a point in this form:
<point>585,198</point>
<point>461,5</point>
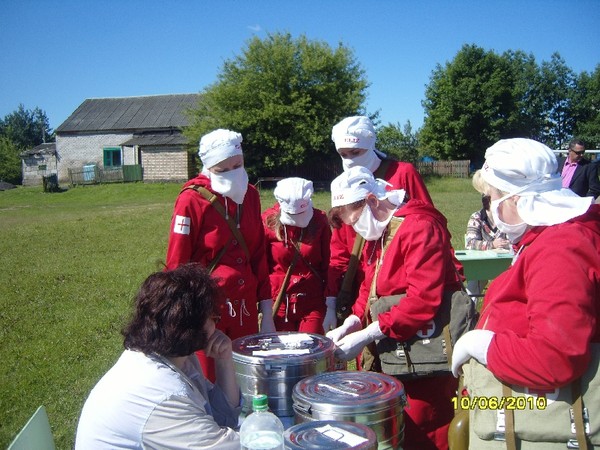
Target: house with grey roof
<point>116,133</point>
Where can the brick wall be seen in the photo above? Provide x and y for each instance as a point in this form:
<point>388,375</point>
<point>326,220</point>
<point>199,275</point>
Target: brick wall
<point>165,163</point>
<point>75,151</point>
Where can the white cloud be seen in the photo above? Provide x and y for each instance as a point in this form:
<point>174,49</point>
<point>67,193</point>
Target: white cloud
<point>255,28</point>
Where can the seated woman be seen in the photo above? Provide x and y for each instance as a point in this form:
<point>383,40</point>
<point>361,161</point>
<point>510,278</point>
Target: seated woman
<point>482,234</point>
<point>155,396</point>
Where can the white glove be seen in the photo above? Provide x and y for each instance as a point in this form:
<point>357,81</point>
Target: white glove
<point>473,344</point>
<point>350,325</point>
<point>350,346</point>
<point>330,320</point>
<point>266,308</point>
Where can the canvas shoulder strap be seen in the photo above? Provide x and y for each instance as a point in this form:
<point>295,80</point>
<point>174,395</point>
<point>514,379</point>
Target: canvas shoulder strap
<point>390,232</point>
<point>286,280</point>
<point>212,199</point>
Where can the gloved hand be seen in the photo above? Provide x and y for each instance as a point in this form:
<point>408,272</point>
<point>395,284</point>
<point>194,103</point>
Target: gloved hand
<point>267,324</point>
<point>330,320</point>
<point>350,325</point>
<point>350,346</point>
<point>473,344</point>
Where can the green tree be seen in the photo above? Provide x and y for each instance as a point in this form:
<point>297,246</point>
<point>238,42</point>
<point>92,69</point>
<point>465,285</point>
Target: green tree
<point>558,83</point>
<point>26,128</point>
<point>283,95</point>
<point>399,142</point>
<point>526,120</point>
<point>10,163</point>
<point>468,104</point>
<point>21,130</point>
<point>586,107</point>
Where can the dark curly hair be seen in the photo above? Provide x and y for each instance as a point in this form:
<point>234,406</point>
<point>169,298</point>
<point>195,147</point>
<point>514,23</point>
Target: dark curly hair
<point>170,311</point>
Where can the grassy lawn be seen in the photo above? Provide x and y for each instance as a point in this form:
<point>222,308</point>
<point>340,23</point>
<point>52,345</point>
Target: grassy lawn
<point>71,263</point>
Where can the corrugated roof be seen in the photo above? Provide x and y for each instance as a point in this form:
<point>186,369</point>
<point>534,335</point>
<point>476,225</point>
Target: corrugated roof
<point>130,113</point>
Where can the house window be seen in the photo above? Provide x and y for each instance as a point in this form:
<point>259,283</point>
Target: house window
<point>112,157</point>
<point>42,167</point>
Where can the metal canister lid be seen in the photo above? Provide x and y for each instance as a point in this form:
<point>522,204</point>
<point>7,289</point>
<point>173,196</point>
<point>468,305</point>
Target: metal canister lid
<point>330,434</point>
<point>285,346</point>
<point>348,392</point>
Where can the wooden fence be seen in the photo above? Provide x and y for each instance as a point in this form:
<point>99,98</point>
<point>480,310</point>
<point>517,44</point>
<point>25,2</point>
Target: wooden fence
<point>458,169</point>
<point>92,174</point>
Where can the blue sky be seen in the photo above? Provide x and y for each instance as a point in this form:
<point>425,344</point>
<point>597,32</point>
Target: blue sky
<point>56,53</point>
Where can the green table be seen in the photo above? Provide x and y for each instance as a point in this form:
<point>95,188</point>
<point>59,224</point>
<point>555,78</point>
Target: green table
<point>483,264</point>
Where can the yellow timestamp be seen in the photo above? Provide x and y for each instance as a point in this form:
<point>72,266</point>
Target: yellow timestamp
<point>494,403</point>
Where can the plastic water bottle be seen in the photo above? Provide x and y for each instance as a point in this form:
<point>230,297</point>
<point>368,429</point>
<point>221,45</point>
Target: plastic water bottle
<point>261,430</point>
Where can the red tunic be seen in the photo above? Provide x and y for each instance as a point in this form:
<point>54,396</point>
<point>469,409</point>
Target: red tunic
<point>419,261</point>
<point>545,308</point>
<point>198,232</point>
<point>303,306</point>
<point>400,175</point>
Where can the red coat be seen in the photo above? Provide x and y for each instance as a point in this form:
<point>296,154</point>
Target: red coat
<point>419,262</point>
<point>545,308</point>
<point>400,175</point>
<point>198,232</point>
<point>305,290</point>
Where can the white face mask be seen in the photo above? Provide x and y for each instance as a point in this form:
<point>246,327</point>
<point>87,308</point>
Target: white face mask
<point>368,160</point>
<point>297,220</point>
<point>368,226</point>
<point>514,233</point>
<point>232,184</point>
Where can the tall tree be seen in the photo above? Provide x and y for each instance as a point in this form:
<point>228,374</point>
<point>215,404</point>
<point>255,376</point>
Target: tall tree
<point>557,91</point>
<point>26,128</point>
<point>10,163</point>
<point>283,95</point>
<point>21,130</point>
<point>586,107</point>
<point>399,142</point>
<point>468,104</point>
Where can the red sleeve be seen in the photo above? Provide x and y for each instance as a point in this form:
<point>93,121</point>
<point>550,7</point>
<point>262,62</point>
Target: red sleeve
<point>416,262</point>
<point>403,175</point>
<point>342,241</point>
<point>255,239</point>
<point>186,229</point>
<point>562,307</point>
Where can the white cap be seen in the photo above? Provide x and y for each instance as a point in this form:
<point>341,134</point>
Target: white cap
<point>218,145</point>
<point>358,182</point>
<point>294,194</point>
<point>354,132</point>
<point>528,168</point>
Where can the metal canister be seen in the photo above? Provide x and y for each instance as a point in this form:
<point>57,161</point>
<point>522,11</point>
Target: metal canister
<point>272,363</point>
<point>372,399</point>
<point>331,435</point>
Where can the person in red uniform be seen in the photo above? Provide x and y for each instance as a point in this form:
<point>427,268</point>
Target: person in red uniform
<point>354,139</point>
<point>293,225</point>
<point>539,322</point>
<point>418,262</point>
<point>199,233</point>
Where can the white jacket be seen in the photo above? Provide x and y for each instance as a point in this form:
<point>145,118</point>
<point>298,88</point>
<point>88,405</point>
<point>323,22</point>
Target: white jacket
<point>145,402</point>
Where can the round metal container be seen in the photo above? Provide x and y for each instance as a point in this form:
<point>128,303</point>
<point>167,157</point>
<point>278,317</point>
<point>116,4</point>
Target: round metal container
<point>272,363</point>
<point>330,434</point>
<point>373,399</point>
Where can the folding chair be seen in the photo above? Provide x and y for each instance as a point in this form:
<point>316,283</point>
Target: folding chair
<point>36,434</point>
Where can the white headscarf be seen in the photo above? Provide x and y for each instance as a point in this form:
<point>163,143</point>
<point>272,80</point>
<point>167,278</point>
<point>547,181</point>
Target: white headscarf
<point>358,182</point>
<point>217,146</point>
<point>294,197</point>
<point>528,168</point>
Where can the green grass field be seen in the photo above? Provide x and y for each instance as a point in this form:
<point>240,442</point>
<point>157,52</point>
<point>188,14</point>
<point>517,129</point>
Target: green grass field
<point>71,263</point>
